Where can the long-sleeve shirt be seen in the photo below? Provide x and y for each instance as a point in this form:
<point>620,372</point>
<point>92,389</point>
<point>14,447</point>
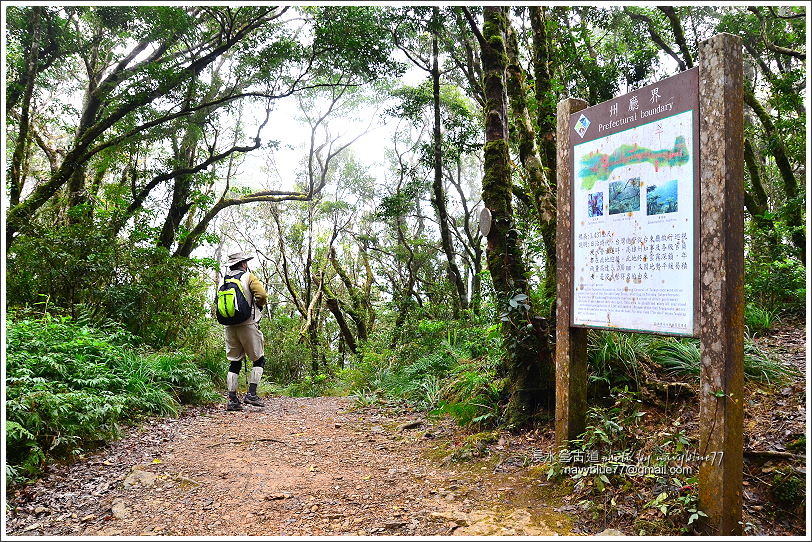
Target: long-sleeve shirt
<point>259,294</point>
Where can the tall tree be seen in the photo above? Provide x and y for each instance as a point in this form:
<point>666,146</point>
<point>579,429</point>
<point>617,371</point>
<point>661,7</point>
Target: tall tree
<point>539,183</point>
<point>409,43</point>
<point>117,89</point>
<point>530,383</point>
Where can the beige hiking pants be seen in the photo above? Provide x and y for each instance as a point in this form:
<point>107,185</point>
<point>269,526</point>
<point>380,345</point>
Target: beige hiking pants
<point>245,340</point>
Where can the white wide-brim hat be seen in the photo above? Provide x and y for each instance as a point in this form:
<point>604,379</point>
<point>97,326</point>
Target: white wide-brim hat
<point>237,257</point>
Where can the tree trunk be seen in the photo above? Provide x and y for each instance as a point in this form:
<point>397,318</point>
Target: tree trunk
<point>439,198</point>
<point>403,310</point>
<point>476,285</point>
<point>359,308</point>
<point>185,157</point>
<point>545,97</point>
<point>18,173</point>
<point>92,106</point>
<point>528,388</point>
<point>543,195</point>
<point>346,332</point>
<point>776,147</point>
<point>314,343</point>
<point>755,201</point>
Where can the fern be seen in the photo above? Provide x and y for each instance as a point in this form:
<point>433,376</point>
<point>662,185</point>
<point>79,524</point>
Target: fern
<point>70,386</point>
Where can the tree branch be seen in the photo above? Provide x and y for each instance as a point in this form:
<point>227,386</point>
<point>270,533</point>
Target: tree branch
<point>770,45</point>
<point>474,26</point>
<point>655,36</point>
<point>679,35</point>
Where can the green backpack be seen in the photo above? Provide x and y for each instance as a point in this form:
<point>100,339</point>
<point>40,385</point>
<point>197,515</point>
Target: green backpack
<point>232,303</point>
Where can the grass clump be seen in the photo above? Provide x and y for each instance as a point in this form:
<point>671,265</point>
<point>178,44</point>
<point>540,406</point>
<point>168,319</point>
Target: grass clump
<point>682,356</point>
<point>615,357</point>
<point>70,387</point>
<point>758,320</point>
<point>618,359</point>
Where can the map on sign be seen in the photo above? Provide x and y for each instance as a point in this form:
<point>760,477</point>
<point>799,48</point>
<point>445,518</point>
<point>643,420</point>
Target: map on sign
<point>633,228</point>
<point>597,166</point>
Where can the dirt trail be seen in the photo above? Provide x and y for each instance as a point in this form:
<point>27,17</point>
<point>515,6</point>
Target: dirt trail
<point>299,466</point>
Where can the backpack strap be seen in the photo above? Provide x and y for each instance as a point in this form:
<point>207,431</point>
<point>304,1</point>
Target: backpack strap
<point>241,278</point>
<point>237,279</point>
<point>249,295</point>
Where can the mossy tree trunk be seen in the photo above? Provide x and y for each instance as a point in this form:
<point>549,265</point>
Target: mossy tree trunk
<point>776,147</point>
<point>347,338</point>
<point>527,386</point>
<point>546,101</point>
<point>358,307</point>
<point>185,150</point>
<point>543,194</point>
<point>756,203</point>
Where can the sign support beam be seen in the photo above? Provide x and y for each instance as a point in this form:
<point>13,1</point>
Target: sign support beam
<point>721,284</point>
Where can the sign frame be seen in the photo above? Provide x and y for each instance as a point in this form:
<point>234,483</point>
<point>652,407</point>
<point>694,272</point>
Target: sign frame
<point>680,94</point>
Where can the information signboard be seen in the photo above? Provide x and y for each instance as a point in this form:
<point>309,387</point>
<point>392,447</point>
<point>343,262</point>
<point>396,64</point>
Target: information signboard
<point>635,186</point>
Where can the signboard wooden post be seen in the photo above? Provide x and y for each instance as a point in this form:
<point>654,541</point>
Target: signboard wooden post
<point>570,342</point>
<point>650,239</point>
<point>721,270</point>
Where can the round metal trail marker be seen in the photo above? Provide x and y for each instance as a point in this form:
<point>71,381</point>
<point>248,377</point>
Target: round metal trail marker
<point>484,221</point>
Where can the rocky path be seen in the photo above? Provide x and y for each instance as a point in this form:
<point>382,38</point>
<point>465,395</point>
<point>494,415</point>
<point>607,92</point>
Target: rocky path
<point>299,466</point>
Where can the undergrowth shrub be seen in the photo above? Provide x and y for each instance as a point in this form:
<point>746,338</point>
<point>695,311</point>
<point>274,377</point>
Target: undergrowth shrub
<point>682,357</point>
<point>758,319</point>
<point>603,466</point>
<point>418,382</point>
<point>70,387</point>
<point>472,395</point>
<point>441,367</point>
<point>79,267</point>
<point>285,351</point>
<point>318,385</point>
<point>211,355</point>
<point>776,285</point>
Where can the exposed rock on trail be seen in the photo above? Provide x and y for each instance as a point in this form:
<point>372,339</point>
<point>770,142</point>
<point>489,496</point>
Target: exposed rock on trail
<point>299,466</point>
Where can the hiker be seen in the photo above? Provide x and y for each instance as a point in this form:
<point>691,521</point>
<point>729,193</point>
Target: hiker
<point>244,338</point>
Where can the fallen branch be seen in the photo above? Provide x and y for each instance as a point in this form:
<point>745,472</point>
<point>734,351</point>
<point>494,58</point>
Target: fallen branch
<point>774,454</point>
<point>409,425</point>
<point>248,442</point>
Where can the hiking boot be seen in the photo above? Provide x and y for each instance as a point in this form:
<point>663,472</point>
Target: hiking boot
<point>252,399</point>
<point>234,405</point>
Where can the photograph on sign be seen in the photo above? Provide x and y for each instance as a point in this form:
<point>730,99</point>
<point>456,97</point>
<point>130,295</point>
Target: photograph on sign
<point>633,228</point>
